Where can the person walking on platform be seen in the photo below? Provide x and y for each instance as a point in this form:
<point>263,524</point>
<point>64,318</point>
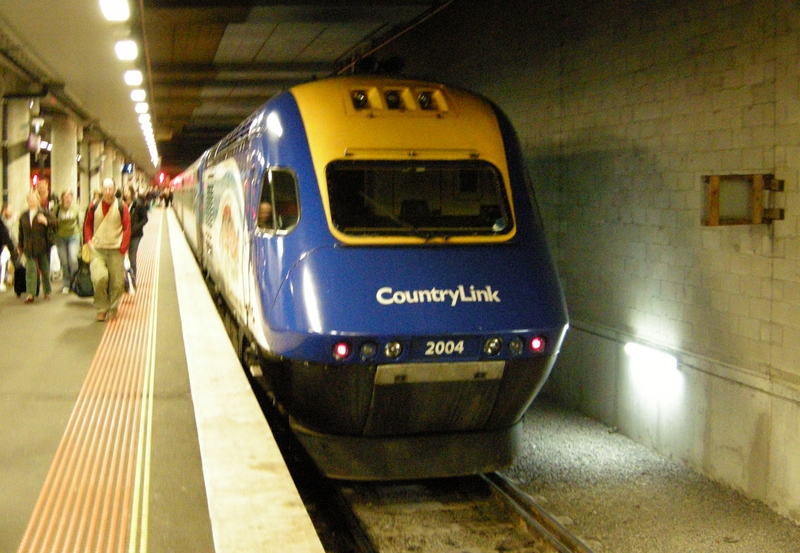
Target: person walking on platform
<point>9,218</point>
<point>107,230</point>
<point>46,201</point>
<point>67,238</point>
<point>34,226</point>
<point>8,250</point>
<point>138,211</point>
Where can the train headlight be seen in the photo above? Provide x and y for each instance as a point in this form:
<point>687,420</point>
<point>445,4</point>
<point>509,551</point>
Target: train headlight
<point>537,344</point>
<point>393,99</point>
<point>516,346</point>
<point>393,350</point>
<point>368,351</point>
<point>359,99</point>
<point>492,346</point>
<point>341,350</point>
<point>425,100</point>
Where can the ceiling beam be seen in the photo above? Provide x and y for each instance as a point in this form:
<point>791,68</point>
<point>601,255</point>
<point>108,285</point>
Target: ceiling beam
<point>272,85</point>
<point>202,121</point>
<point>301,68</point>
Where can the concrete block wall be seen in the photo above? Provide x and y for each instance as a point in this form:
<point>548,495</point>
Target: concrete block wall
<point>622,108</point>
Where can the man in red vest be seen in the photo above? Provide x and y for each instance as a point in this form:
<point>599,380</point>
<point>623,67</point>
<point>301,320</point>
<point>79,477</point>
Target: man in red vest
<point>107,230</point>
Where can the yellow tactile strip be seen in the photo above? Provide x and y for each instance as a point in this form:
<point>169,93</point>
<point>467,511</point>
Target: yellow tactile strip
<point>95,495</point>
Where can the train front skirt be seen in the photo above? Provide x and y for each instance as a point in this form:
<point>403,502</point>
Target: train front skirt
<point>403,421</point>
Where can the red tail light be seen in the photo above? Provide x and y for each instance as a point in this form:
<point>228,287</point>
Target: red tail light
<point>537,344</point>
<point>341,350</point>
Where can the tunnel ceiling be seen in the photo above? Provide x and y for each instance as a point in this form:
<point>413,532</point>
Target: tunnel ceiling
<point>207,64</point>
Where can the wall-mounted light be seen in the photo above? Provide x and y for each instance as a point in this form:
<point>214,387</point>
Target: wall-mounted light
<point>141,107</point>
<point>144,118</point>
<point>138,95</point>
<point>115,10</point>
<point>654,374</point>
<point>133,77</point>
<point>126,50</point>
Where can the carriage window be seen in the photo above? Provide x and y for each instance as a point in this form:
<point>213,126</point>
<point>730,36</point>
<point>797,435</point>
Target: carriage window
<point>278,208</point>
<point>418,198</point>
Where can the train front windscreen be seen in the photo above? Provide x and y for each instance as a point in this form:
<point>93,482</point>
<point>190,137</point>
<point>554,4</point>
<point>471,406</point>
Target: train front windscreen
<point>418,198</point>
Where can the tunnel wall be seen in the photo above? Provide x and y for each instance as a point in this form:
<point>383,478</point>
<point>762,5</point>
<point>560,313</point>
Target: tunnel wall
<point>624,109</point>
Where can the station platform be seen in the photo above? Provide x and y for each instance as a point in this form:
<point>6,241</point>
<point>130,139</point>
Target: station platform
<point>140,433</point>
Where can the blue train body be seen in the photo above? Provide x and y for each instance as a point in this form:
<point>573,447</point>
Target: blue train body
<point>386,272</point>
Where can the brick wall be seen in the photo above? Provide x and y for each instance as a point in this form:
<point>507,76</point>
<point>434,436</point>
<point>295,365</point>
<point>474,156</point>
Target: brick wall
<point>622,108</point>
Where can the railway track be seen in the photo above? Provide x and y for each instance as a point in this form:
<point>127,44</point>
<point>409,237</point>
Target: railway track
<point>470,514</point>
<point>475,514</point>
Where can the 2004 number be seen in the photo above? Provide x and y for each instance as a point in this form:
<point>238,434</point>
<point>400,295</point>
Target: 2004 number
<point>442,347</point>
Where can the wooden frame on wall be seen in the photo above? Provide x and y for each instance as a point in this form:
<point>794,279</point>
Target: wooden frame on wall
<point>740,199</point>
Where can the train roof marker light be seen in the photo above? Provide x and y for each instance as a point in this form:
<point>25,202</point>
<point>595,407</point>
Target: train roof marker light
<point>115,10</point>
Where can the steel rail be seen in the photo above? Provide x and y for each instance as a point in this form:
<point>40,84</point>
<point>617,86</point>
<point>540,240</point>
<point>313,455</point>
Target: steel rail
<point>535,516</point>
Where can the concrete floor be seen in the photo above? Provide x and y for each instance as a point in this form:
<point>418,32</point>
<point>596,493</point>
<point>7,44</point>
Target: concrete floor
<point>46,354</point>
<point>239,497</point>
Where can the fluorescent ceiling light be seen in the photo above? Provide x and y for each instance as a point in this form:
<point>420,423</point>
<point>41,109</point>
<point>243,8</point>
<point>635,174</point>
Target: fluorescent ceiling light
<point>115,10</point>
<point>133,77</point>
<point>126,50</point>
<point>141,107</point>
<point>138,95</point>
<point>144,118</point>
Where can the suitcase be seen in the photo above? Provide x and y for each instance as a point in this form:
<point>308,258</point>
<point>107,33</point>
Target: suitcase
<point>19,280</point>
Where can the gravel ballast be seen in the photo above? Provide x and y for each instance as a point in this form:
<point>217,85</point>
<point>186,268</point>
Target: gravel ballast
<point>622,497</point>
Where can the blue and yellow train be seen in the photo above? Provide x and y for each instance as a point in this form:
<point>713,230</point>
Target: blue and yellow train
<point>385,271</point>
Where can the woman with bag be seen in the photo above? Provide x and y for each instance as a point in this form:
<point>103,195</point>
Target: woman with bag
<point>67,238</point>
<point>36,229</point>
<point>8,250</point>
<point>138,211</point>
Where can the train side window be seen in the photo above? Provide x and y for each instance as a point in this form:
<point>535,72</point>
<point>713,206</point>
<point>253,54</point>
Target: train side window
<point>279,208</point>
